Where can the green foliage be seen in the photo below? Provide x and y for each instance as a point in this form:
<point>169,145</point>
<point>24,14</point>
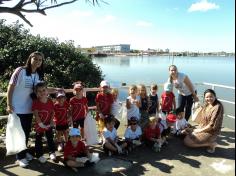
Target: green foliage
<point>63,63</point>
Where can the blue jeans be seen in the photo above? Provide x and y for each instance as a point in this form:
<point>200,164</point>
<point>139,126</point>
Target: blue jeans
<point>39,142</point>
<point>26,122</point>
<point>185,103</point>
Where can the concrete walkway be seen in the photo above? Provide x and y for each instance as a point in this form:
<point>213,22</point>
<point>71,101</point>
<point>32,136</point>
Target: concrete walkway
<point>175,159</point>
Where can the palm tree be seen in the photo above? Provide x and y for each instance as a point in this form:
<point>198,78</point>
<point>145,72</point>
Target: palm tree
<point>35,6</point>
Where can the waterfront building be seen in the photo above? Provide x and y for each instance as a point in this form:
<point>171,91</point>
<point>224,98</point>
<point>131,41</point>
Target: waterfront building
<point>119,48</point>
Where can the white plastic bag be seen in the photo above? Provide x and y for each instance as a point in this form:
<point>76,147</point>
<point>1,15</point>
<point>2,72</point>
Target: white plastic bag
<point>94,157</point>
<point>15,136</point>
<point>90,130</point>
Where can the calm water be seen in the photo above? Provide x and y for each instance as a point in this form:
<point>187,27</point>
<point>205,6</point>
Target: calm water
<point>154,69</point>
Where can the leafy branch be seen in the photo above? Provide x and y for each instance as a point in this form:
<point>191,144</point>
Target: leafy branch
<point>35,6</point>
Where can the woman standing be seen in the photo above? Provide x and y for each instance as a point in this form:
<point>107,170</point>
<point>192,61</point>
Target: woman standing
<point>186,90</point>
<point>209,125</point>
<point>20,94</point>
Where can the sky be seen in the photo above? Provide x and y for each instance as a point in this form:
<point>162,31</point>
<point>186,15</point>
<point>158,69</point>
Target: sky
<point>179,25</point>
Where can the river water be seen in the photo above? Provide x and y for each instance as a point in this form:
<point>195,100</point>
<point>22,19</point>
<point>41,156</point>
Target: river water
<point>154,69</point>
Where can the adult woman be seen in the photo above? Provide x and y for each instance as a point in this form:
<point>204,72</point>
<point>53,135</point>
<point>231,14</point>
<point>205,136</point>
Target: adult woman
<point>19,99</point>
<point>186,90</point>
<point>209,125</point>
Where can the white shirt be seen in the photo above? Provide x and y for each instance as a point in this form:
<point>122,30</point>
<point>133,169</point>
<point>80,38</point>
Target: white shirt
<point>181,124</point>
<point>130,134</point>
<point>109,134</point>
<point>134,110</point>
<point>180,85</point>
<point>21,100</point>
<point>116,108</point>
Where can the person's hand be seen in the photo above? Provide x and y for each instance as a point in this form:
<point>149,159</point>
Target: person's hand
<point>41,125</point>
<point>9,109</point>
<point>195,98</point>
<point>196,130</point>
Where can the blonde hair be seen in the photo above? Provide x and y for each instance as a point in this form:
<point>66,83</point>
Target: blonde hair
<point>142,86</point>
<point>152,119</point>
<point>114,91</point>
<point>132,87</point>
<point>174,66</point>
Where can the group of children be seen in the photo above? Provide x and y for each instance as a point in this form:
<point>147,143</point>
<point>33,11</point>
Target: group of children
<point>144,122</point>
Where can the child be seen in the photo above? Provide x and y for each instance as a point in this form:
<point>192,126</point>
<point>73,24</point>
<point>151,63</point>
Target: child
<point>152,134</point>
<point>78,107</point>
<point>116,106</point>
<point>111,144</point>
<point>144,106</point>
<point>168,99</point>
<point>133,134</point>
<point>61,108</point>
<point>75,152</point>
<point>103,101</point>
<point>154,101</point>
<point>133,103</point>
<point>43,110</point>
<point>182,125</point>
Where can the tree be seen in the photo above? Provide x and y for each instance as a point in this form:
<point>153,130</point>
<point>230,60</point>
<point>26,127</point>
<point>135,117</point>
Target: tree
<point>64,64</point>
<point>35,6</point>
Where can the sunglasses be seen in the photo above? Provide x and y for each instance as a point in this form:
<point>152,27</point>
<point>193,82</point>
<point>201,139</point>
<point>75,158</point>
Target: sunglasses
<point>75,136</point>
<point>133,123</point>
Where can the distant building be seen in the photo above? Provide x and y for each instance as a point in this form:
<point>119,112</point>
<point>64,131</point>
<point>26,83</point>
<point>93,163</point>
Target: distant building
<point>120,48</point>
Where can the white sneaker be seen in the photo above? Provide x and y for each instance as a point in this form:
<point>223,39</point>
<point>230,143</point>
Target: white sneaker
<point>29,157</point>
<point>53,156</point>
<point>42,159</point>
<point>60,148</point>
<point>23,162</point>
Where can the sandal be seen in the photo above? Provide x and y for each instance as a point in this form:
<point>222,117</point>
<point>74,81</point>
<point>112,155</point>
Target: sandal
<point>211,149</point>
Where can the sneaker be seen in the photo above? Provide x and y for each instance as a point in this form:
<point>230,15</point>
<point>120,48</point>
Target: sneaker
<point>42,159</point>
<point>53,156</point>
<point>60,148</point>
<point>23,162</point>
<point>29,157</point>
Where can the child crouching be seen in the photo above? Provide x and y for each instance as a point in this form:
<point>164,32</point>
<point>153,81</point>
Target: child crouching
<point>111,143</point>
<point>133,134</point>
<point>152,135</point>
<point>76,153</point>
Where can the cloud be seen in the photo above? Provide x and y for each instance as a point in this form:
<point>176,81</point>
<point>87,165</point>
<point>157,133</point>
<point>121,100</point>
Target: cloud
<point>143,24</point>
<point>203,5</point>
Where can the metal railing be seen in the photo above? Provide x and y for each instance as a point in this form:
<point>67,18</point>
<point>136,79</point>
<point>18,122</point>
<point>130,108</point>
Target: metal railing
<point>211,85</point>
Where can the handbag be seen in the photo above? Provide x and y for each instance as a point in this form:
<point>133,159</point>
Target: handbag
<point>197,114</point>
<point>15,136</point>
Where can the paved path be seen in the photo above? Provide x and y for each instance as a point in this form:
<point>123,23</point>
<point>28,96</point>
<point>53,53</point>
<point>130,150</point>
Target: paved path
<point>175,159</point>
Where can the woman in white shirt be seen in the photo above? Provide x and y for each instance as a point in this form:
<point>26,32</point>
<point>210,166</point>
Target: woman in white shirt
<point>19,96</point>
<point>187,93</point>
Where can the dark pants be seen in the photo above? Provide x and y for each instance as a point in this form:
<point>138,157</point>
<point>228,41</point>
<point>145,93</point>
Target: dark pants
<point>185,103</point>
<point>39,142</point>
<point>26,122</point>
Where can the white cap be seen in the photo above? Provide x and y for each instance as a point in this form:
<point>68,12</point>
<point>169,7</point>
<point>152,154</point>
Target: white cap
<point>168,87</point>
<point>104,83</point>
<point>74,132</point>
<point>61,94</point>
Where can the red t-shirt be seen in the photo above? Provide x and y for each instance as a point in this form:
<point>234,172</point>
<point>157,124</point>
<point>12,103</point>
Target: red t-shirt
<point>61,113</point>
<point>152,133</point>
<point>105,101</point>
<point>79,108</point>
<point>69,150</point>
<point>45,112</point>
<point>167,101</point>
